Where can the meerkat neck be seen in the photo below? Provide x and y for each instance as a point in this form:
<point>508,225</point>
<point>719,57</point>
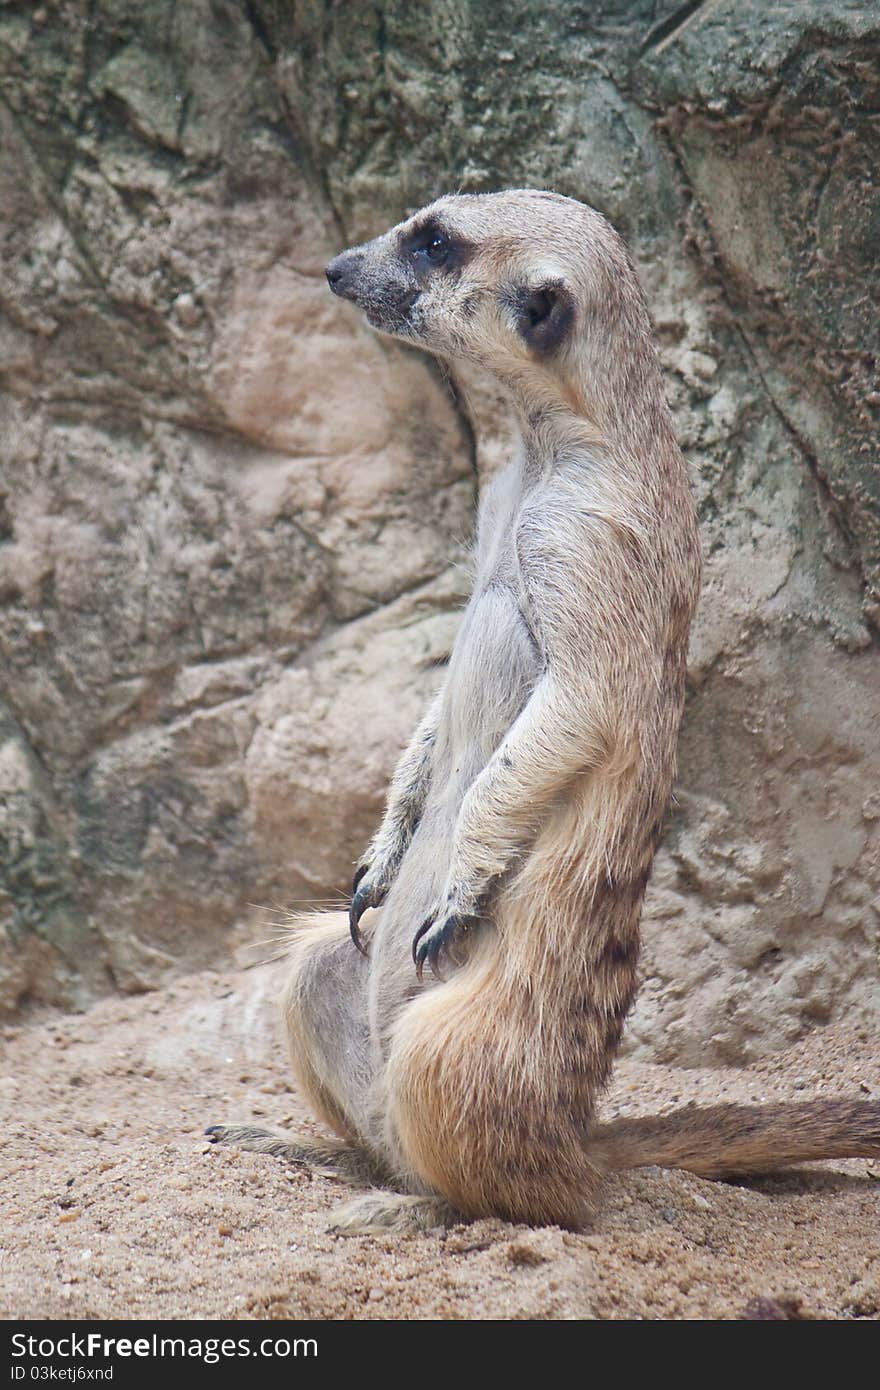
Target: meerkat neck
<point>620,382</point>
<point>555,430</point>
<point>616,407</point>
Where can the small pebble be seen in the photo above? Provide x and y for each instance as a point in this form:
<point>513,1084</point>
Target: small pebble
<point>186,310</point>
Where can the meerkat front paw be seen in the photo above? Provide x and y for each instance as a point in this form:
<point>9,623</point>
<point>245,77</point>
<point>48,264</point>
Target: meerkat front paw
<point>369,889</point>
<point>444,933</point>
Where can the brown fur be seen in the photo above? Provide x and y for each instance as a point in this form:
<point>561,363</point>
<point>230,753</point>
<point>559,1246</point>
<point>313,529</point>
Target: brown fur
<point>524,817</point>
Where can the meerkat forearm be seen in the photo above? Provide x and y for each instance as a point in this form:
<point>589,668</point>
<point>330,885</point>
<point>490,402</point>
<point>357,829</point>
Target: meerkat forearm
<point>571,724</point>
<point>407,793</point>
<point>553,740</point>
<point>378,865</point>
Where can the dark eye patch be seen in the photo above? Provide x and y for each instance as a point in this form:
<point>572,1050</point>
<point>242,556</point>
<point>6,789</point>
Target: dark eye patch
<point>431,246</point>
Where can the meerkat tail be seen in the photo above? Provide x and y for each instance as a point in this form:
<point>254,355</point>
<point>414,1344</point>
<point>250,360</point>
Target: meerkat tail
<point>724,1140</point>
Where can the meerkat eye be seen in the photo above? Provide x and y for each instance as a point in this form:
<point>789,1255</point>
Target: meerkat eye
<point>434,250</point>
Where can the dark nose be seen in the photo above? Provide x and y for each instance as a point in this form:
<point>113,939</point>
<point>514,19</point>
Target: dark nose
<point>341,273</point>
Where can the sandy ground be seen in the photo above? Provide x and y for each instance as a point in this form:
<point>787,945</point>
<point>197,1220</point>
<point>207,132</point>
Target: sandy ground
<point>113,1205</point>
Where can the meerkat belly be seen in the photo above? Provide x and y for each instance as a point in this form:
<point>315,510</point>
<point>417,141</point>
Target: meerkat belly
<point>494,666</point>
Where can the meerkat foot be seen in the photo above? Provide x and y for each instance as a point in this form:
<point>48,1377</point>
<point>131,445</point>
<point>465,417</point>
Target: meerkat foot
<point>329,1157</point>
<point>377,1213</point>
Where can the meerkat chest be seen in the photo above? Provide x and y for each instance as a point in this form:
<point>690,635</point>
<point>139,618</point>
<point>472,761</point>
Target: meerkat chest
<point>496,660</point>
<point>499,513</point>
<point>493,669</point>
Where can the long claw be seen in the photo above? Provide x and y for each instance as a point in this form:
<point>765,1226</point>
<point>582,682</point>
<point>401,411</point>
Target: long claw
<point>446,939</point>
<point>359,904</point>
<point>420,952</point>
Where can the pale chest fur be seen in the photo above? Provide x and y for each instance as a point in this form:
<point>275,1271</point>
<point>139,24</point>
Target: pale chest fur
<point>496,660</point>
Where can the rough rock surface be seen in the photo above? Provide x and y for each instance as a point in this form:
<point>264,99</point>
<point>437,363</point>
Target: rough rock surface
<point>230,516</point>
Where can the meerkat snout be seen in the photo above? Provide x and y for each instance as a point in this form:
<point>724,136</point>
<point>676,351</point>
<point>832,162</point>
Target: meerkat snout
<point>342,273</point>
<point>377,281</point>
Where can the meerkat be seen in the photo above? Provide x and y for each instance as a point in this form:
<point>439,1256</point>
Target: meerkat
<point>457,1040</point>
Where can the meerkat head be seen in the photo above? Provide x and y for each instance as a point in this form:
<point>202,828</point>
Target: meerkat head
<point>517,281</point>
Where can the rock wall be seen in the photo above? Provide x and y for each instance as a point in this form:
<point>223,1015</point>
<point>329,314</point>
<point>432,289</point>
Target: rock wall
<point>232,519</point>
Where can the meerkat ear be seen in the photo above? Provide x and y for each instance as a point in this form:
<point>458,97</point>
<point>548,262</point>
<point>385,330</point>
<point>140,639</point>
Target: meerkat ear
<point>544,315</point>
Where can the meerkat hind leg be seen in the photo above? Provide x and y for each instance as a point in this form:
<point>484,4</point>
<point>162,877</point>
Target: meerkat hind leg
<point>329,1157</point>
<point>378,1213</point>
